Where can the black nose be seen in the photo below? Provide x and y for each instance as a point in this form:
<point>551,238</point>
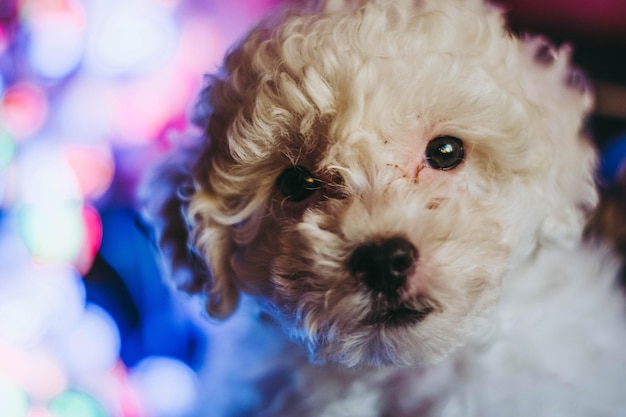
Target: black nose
<point>383,266</point>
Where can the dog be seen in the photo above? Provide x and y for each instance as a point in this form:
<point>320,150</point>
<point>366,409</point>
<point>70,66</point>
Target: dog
<point>385,214</point>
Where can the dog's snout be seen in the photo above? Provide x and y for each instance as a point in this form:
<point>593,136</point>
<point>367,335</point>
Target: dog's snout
<point>383,267</point>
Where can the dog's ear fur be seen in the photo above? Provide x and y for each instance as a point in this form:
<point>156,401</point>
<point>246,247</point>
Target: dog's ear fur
<point>198,225</point>
<point>166,196</point>
<point>563,99</point>
<point>221,201</point>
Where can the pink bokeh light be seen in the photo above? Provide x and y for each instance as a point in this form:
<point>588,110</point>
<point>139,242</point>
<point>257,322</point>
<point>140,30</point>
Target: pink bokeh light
<point>92,225</point>
<point>23,109</point>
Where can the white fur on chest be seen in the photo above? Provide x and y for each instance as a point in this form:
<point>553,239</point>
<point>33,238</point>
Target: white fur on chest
<point>559,348</point>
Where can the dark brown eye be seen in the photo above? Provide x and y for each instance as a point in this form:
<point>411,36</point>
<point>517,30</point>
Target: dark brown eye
<point>296,183</point>
<point>444,152</point>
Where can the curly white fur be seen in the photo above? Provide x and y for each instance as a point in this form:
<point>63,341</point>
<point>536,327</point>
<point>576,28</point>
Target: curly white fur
<point>522,320</point>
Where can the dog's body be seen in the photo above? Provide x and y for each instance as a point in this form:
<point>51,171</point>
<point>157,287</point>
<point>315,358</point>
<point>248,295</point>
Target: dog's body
<point>557,349</point>
<point>401,186</point>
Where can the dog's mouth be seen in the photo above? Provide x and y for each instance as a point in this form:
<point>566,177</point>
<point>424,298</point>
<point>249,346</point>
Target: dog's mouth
<point>397,317</point>
<point>386,312</point>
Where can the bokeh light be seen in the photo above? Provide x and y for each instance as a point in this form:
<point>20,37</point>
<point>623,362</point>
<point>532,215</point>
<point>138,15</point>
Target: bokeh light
<point>7,148</point>
<point>129,36</point>
<point>85,111</point>
<point>36,372</point>
<point>77,404</point>
<point>39,411</point>
<point>92,346</point>
<point>13,399</point>
<point>23,109</point>
<point>53,232</point>
<point>46,179</point>
<point>613,165</point>
<point>92,238</point>
<point>93,168</point>
<point>4,41</point>
<point>167,386</point>
<point>56,40</point>
<point>36,301</point>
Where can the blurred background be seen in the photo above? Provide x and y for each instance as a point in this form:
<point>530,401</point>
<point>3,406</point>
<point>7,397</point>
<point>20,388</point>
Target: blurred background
<point>92,92</point>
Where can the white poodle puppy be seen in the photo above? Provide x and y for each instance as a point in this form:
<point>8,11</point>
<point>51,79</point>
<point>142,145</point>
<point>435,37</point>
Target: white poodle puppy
<point>400,186</point>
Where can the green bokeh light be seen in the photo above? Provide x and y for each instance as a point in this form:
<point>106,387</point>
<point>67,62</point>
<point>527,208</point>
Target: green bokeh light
<point>77,404</point>
<point>13,400</point>
<point>7,149</point>
<point>52,233</point>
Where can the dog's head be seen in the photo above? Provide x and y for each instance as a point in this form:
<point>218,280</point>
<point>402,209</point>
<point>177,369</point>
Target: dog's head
<point>373,169</point>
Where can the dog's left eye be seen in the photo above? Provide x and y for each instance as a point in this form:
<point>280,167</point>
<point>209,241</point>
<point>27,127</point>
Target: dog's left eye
<point>296,183</point>
<point>444,152</point>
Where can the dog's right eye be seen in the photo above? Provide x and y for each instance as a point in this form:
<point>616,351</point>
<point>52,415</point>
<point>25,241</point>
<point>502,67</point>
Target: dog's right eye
<point>296,183</point>
<point>444,153</point>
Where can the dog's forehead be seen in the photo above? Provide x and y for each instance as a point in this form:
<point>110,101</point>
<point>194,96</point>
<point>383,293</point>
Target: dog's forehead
<point>389,68</point>
<point>393,71</point>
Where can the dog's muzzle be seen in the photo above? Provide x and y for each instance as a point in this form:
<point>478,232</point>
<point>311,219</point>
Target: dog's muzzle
<point>384,266</point>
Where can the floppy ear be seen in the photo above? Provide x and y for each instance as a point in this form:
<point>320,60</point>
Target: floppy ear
<point>167,195</point>
<point>214,242</point>
<point>564,99</point>
<point>225,196</point>
<point>199,198</point>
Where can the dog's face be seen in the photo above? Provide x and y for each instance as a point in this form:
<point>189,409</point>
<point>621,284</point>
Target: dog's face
<point>374,170</point>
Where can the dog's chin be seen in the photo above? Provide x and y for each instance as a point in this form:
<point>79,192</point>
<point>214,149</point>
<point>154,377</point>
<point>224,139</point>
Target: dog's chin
<point>400,335</point>
<point>390,342</point>
<point>391,313</point>
<point>396,317</point>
